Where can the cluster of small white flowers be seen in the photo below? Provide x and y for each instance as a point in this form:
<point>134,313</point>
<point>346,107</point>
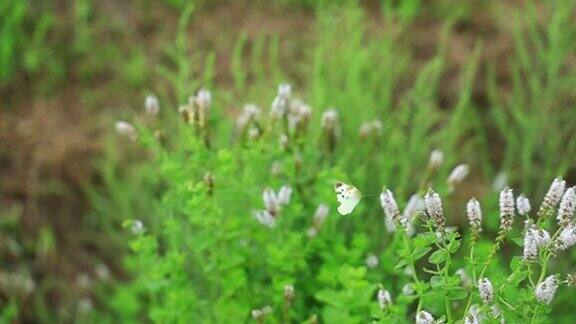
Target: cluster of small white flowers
<point>330,121</point>
<point>434,208</point>
<point>466,280</point>
<point>370,128</point>
<point>137,227</point>
<point>289,294</point>
<point>553,195</point>
<point>249,113</point>
<point>546,290</point>
<point>384,298</point>
<point>436,159</point>
<point>523,205</point>
<point>16,283</point>
<point>85,305</point>
<point>486,290</point>
<point>260,313</point>
<point>253,133</point>
<point>471,318</point>
<point>298,114</point>
<point>372,261</point>
<point>151,105</point>
<point>407,289</point>
<point>567,238</point>
<point>567,207</point>
<point>457,175</point>
<point>415,204</point>
<point>534,239</point>
<point>474,214</point>
<point>102,271</point>
<point>389,205</point>
<point>281,103</point>
<point>423,317</point>
<point>506,209</point>
<point>204,98</point>
<point>273,202</point>
<point>197,109</point>
<point>318,220</point>
<point>126,129</point>
<point>265,218</point>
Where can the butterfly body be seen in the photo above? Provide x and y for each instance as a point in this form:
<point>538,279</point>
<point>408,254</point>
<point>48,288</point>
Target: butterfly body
<point>348,196</point>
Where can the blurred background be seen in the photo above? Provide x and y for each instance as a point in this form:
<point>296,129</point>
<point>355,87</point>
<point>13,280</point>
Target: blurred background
<point>500,73</point>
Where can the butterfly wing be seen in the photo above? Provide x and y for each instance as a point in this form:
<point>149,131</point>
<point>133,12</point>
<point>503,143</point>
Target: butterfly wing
<point>348,196</point>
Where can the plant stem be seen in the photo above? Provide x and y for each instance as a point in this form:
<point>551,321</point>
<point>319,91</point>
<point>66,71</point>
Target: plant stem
<point>414,274</point>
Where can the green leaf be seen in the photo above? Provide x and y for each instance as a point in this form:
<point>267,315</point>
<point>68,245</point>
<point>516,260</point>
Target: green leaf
<point>453,246</point>
<point>401,264</point>
<point>457,293</point>
<point>437,257</point>
<point>420,252</point>
<point>436,282</point>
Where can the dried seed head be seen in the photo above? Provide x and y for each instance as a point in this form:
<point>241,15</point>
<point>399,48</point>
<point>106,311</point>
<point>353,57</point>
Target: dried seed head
<point>384,298</point>
<point>436,159</point>
<point>523,205</point>
<point>486,290</point>
<point>552,197</point>
<point>434,207</point>
<point>567,238</point>
<point>389,205</point>
<point>474,214</point>
<point>506,209</point>
<point>457,175</point>
<point>372,261</point>
<point>151,105</point>
<point>423,317</point>
<point>546,290</point>
<point>126,129</point>
<point>567,207</point>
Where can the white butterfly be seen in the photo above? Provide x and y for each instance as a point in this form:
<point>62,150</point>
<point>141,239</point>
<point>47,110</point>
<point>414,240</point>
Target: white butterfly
<point>348,196</point>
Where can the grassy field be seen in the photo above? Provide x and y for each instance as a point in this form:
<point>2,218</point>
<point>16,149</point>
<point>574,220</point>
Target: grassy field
<point>174,161</point>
